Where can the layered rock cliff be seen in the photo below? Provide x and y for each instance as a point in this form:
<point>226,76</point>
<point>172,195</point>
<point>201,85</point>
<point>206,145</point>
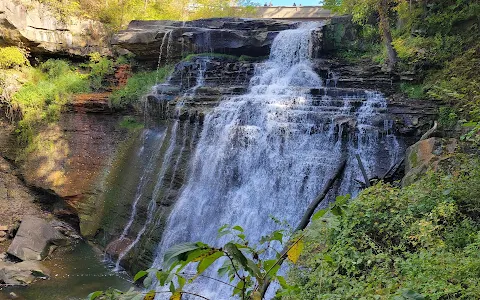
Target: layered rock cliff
<point>33,25</point>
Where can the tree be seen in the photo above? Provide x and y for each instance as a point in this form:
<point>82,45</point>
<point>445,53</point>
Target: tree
<point>362,10</point>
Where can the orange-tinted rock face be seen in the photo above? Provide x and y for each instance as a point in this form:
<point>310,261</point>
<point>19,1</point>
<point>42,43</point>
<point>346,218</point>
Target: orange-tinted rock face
<point>72,157</point>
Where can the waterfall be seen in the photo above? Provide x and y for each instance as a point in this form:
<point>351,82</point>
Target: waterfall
<point>270,151</point>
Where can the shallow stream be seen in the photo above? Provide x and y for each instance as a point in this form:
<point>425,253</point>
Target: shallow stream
<point>76,271</point>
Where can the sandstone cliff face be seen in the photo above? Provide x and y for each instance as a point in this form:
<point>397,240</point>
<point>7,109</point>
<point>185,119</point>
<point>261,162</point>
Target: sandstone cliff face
<point>34,26</point>
<point>72,159</point>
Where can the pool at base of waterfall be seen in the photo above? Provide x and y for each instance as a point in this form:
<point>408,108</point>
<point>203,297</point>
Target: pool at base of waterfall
<point>76,271</point>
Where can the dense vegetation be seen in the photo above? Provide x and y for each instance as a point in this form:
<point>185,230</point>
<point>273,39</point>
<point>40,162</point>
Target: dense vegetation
<point>419,242</point>
<point>435,41</point>
<point>118,13</point>
<point>34,96</point>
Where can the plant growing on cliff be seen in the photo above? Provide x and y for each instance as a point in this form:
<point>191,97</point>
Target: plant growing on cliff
<point>137,86</point>
<point>363,10</point>
<point>100,67</point>
<point>40,100</point>
<point>13,57</point>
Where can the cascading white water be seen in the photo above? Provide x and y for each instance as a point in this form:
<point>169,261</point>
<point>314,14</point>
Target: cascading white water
<point>269,152</point>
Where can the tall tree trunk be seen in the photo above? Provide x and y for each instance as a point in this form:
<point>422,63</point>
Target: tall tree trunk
<point>386,33</point>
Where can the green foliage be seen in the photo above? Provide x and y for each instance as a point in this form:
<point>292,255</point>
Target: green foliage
<point>137,86</point>
<point>13,57</point>
<point>414,91</point>
<point>130,122</point>
<point>447,117</point>
<point>419,242</point>
<point>41,99</point>
<point>247,266</point>
<point>100,67</point>
<point>473,135</point>
<point>459,82</point>
<point>118,13</point>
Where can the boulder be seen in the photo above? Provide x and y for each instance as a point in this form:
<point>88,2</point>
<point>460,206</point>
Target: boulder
<point>37,27</point>
<point>426,155</point>
<point>22,273</point>
<point>34,238</point>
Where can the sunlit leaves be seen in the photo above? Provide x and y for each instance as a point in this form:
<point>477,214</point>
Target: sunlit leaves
<point>178,252</point>
<point>150,295</point>
<point>208,261</point>
<point>295,251</point>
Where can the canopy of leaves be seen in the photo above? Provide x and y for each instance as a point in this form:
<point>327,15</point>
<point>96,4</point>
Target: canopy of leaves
<point>118,13</point>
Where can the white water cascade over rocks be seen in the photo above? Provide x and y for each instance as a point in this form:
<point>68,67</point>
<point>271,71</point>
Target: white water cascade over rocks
<point>270,151</point>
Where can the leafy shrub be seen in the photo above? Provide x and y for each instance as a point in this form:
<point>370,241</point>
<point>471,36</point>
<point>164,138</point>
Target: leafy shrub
<point>414,91</point>
<point>55,68</point>
<point>100,67</point>
<point>447,117</point>
<point>137,86</point>
<point>12,57</point>
<point>41,99</point>
<point>420,240</point>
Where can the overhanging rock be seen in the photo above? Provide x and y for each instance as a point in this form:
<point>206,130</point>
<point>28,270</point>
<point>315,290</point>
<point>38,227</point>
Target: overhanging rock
<point>147,39</point>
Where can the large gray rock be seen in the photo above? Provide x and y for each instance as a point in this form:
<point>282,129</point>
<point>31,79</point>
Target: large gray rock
<point>34,238</point>
<point>22,273</point>
<point>36,27</point>
<point>426,155</point>
<point>252,37</point>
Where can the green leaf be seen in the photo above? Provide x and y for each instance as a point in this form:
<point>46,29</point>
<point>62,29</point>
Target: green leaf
<point>341,200</point>
<point>267,264</point>
<point>238,288</point>
<point>411,295</point>
<point>162,277</point>
<point>236,254</point>
<point>178,252</point>
<point>172,287</point>
<point>181,281</point>
<point>147,282</point>
<point>277,236</point>
<point>469,124</point>
<point>139,275</point>
<point>150,295</point>
<point>226,267</point>
<point>328,259</point>
<point>283,282</point>
<point>94,295</point>
<point>238,228</point>
<point>337,211</point>
<point>255,270</point>
<point>208,261</point>
<point>224,226</point>
<point>319,214</point>
<point>242,236</point>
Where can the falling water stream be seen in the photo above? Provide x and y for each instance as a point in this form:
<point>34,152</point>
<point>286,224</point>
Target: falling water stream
<point>270,151</point>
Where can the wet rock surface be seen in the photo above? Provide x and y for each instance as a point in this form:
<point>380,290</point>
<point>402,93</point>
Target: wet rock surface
<point>22,273</point>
